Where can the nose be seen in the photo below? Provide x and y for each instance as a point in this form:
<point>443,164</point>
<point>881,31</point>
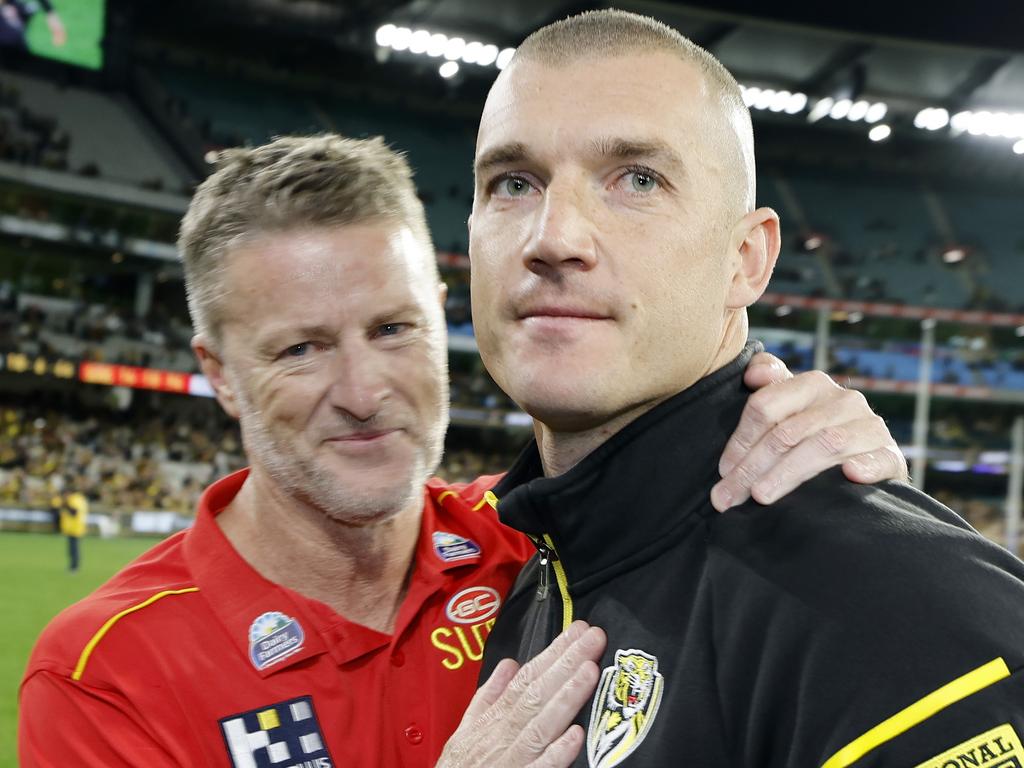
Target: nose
<point>563,232</point>
<point>359,383</point>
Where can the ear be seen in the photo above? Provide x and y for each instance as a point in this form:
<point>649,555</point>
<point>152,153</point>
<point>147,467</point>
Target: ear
<point>756,241</point>
<point>442,293</point>
<point>213,369</point>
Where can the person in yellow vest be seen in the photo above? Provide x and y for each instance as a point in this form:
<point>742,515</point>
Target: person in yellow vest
<point>73,514</point>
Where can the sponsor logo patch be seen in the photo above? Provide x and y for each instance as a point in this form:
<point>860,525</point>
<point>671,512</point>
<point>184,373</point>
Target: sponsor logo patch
<point>625,706</point>
<point>473,605</point>
<point>282,735</point>
<point>998,748</point>
<point>450,547</point>
<point>272,638</point>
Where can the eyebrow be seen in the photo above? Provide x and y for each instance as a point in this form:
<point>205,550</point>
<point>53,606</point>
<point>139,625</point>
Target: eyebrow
<point>635,149</point>
<point>504,154</point>
<point>516,153</point>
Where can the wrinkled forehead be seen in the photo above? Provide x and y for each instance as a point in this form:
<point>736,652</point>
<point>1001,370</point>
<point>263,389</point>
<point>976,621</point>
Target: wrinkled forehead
<point>568,102</point>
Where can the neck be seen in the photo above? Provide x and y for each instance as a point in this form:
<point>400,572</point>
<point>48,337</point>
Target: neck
<point>358,570</point>
<point>561,451</point>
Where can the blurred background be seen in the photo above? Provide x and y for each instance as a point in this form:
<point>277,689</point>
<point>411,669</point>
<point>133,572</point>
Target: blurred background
<point>890,142</point>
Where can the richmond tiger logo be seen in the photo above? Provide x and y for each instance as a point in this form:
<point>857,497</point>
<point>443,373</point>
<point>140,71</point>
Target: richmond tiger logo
<point>625,705</point>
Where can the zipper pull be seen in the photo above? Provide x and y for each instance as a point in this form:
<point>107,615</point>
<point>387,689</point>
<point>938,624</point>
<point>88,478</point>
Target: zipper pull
<point>544,560</point>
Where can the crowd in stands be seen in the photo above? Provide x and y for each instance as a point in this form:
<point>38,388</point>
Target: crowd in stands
<point>95,333</point>
<point>137,462</point>
<point>30,139</point>
<point>161,461</point>
<point>123,464</point>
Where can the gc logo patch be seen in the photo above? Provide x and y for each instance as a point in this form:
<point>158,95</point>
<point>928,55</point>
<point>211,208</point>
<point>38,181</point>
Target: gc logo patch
<point>625,705</point>
<point>282,735</point>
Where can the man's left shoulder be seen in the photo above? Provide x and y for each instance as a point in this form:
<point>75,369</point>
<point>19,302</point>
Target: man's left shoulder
<point>889,543</point>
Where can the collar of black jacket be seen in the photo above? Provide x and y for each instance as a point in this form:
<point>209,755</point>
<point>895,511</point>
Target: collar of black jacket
<point>648,482</point>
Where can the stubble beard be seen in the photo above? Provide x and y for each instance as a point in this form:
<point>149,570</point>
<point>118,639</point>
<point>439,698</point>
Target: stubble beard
<point>299,475</point>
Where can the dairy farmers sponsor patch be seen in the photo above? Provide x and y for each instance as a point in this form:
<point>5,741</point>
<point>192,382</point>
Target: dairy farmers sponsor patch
<point>272,638</point>
<point>450,547</point>
<point>282,735</point>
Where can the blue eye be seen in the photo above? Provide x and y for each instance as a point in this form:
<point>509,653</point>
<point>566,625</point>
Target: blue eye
<point>297,350</point>
<point>642,182</point>
<point>513,186</point>
<point>391,329</point>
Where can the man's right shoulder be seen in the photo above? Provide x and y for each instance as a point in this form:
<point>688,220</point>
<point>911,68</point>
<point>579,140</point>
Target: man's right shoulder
<point>83,629</point>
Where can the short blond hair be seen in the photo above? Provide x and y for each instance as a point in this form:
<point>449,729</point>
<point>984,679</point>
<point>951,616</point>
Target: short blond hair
<point>293,182</point>
<point>611,32</point>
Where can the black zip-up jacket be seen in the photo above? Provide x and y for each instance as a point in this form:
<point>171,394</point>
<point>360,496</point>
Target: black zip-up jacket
<point>843,625</point>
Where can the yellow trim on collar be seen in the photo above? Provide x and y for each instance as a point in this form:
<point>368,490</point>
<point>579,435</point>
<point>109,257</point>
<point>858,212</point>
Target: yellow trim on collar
<point>91,645</point>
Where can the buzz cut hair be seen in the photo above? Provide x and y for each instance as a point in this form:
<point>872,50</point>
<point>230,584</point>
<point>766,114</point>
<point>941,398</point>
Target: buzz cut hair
<point>291,183</point>
<point>611,32</point>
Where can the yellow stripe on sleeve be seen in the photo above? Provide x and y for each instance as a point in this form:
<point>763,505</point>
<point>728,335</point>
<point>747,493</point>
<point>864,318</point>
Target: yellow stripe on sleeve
<point>919,711</point>
<point>91,645</point>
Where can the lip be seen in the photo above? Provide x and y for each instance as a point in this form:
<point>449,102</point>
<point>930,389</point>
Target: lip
<point>361,438</point>
<point>566,312</point>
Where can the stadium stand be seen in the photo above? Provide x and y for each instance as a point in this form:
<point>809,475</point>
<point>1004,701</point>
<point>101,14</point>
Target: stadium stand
<point>122,146</point>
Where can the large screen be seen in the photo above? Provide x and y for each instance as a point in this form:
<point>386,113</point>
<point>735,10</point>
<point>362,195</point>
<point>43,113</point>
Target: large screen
<point>66,30</point>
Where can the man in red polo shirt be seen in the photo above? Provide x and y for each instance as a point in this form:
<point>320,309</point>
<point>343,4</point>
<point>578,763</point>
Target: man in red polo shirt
<point>330,605</point>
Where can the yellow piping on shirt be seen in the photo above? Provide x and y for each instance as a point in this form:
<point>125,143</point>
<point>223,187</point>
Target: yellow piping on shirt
<point>563,584</point>
<point>448,493</point>
<point>919,711</point>
<point>560,577</point>
<point>91,645</point>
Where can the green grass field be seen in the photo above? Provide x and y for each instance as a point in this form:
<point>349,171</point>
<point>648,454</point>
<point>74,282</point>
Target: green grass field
<point>34,586</point>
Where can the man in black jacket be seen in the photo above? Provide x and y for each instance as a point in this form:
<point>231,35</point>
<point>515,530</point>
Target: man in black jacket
<point>615,246</point>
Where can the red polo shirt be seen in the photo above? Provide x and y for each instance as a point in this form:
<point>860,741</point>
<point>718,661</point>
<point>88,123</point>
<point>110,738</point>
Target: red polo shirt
<point>188,657</point>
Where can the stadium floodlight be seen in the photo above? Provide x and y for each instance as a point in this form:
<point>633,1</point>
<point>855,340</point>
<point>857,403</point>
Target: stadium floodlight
<point>931,119</point>
<point>876,112</point>
<point>419,41</point>
<point>840,109</point>
<point>505,57</point>
<point>797,102</point>
<point>822,108</point>
<point>488,55</point>
<point>959,122</point>
<point>859,110</point>
<point>385,35</point>
<point>453,48</point>
<point>750,95</point>
<point>401,38</point>
<point>1018,148</point>
<point>437,45</point>
<point>938,119</point>
<point>764,99</point>
<point>1019,331</point>
<point>780,101</point>
<point>954,255</point>
<point>449,69</point>
<point>880,132</point>
<point>472,52</point>
<point>979,122</point>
